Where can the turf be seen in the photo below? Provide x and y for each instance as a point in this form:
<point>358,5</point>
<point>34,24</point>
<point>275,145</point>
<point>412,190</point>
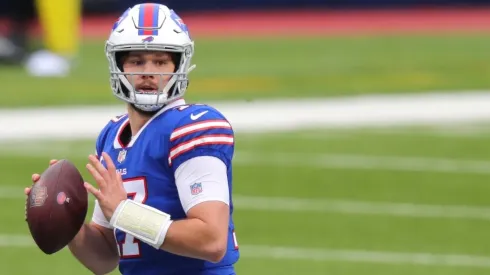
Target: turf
<point>317,166</point>
<point>302,177</point>
<point>250,69</point>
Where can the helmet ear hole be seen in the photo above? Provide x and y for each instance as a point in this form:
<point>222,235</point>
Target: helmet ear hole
<point>176,59</point>
<point>120,56</point>
<point>125,90</point>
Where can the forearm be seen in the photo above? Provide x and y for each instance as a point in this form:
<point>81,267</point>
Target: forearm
<point>202,235</point>
<point>93,250</point>
<point>194,238</point>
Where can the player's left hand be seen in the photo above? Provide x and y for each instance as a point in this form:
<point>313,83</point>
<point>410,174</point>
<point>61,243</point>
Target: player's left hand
<point>111,189</point>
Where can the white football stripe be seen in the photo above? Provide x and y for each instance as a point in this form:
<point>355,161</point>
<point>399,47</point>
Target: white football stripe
<point>286,114</point>
<point>16,240</point>
<point>353,207</point>
<point>361,207</point>
<point>200,126</point>
<point>363,256</point>
<point>365,162</point>
<point>322,254</point>
<point>278,159</point>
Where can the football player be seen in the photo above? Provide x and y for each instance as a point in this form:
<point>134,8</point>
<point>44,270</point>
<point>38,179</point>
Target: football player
<point>164,169</point>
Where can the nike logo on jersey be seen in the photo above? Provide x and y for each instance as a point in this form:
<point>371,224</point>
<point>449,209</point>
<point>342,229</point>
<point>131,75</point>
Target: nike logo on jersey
<point>194,117</point>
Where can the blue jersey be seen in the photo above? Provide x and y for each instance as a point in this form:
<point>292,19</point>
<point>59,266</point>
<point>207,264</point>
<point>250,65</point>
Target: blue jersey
<point>147,164</point>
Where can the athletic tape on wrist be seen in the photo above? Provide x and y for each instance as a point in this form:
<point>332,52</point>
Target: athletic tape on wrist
<point>145,223</point>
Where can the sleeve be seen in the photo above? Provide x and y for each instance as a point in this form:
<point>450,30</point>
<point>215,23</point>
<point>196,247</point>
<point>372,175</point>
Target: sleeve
<point>208,135</point>
<point>99,218</point>
<point>202,179</point>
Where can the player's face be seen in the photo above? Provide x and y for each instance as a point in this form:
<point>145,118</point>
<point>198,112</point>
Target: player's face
<point>148,62</point>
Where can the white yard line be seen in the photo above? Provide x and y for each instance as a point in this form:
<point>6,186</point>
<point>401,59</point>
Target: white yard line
<point>7,240</point>
<point>364,162</point>
<point>323,255</point>
<point>266,116</point>
<point>282,159</point>
<point>364,256</point>
<point>288,204</point>
<point>360,207</point>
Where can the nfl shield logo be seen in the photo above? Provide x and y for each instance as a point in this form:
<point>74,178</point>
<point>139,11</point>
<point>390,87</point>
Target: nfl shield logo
<point>122,156</point>
<point>196,188</point>
<point>39,194</point>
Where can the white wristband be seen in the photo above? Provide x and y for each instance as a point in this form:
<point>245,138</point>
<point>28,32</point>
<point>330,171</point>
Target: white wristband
<point>145,223</point>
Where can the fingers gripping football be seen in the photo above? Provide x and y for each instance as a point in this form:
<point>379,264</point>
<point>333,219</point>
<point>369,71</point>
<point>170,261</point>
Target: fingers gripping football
<point>111,189</point>
<point>34,178</point>
<point>56,205</point>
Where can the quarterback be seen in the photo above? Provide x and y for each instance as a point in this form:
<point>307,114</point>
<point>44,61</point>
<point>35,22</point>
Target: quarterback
<point>163,169</point>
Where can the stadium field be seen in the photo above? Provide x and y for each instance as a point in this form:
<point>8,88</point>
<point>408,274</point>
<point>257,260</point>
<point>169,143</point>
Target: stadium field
<point>338,201</point>
<point>250,69</point>
<point>392,200</point>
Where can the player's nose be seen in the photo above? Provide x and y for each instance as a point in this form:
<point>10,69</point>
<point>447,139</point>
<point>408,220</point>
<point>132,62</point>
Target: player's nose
<point>149,68</point>
<point>147,76</point>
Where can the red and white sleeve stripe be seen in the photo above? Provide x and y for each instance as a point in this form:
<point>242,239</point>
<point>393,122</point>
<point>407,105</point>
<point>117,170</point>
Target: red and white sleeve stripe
<point>199,126</point>
<point>205,138</point>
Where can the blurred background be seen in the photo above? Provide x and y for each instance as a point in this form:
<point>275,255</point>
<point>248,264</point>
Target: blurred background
<point>363,142</point>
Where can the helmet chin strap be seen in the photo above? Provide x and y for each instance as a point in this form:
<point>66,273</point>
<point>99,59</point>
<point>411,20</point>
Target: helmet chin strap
<point>148,108</point>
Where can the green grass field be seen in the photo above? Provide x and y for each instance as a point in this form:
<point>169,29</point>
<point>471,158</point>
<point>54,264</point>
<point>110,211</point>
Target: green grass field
<point>330,199</point>
<point>268,68</point>
<point>257,175</point>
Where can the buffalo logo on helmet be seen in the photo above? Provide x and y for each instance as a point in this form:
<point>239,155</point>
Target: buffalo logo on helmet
<point>120,19</point>
<point>179,22</point>
<point>148,39</point>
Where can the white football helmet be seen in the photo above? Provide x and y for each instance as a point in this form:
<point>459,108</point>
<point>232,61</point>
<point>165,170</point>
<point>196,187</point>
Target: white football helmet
<point>151,27</point>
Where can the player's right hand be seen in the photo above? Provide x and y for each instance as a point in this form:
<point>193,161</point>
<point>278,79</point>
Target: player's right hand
<point>36,177</point>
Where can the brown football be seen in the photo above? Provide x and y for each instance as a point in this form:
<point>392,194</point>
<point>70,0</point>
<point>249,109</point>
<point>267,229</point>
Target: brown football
<point>56,206</point>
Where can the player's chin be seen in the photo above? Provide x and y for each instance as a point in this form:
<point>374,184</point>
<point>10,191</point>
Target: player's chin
<point>143,112</point>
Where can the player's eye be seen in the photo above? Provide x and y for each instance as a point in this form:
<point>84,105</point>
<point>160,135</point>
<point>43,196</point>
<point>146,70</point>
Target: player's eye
<point>161,62</point>
<point>134,61</point>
